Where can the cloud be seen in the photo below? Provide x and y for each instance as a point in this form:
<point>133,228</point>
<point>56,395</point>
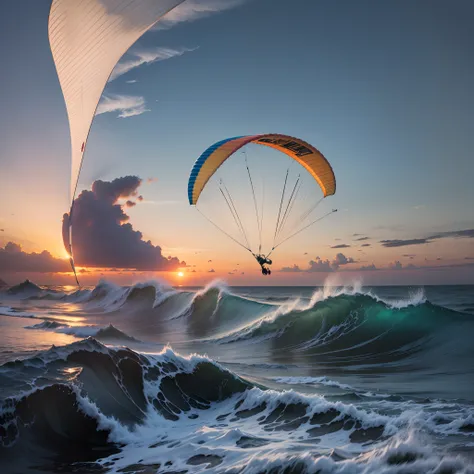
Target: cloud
<point>468,258</point>
<point>146,56</point>
<point>340,246</point>
<point>102,236</point>
<point>467,233</point>
<point>127,105</point>
<point>403,243</point>
<point>362,238</point>
<point>211,271</point>
<point>397,265</point>
<point>320,265</point>
<point>132,81</point>
<point>294,269</point>
<point>13,259</point>
<point>364,268</point>
<point>365,245</point>
<point>2,230</point>
<point>130,203</point>
<point>193,10</point>
<point>341,259</point>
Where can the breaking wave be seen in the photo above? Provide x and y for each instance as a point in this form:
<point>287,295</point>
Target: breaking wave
<point>129,412</point>
<point>350,324</point>
<point>101,333</point>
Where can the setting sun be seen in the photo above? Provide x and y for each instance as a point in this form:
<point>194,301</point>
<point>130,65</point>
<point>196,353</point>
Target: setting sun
<point>180,274</point>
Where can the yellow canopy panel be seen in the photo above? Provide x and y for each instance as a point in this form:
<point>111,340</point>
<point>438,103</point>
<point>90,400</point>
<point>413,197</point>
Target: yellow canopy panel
<point>302,152</point>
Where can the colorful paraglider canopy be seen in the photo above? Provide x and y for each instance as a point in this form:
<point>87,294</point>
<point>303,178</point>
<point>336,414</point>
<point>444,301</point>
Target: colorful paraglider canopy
<point>304,153</point>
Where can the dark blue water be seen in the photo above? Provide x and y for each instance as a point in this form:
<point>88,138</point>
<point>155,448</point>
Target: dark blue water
<point>250,379</point>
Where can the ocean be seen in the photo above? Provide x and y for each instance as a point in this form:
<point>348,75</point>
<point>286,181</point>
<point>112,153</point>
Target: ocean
<point>150,378</point>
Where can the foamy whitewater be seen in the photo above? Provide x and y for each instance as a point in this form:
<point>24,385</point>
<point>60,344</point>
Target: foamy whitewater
<point>149,378</point>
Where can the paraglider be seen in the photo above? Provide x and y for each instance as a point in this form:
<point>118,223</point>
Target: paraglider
<point>296,149</point>
<point>262,261</point>
<point>87,39</point>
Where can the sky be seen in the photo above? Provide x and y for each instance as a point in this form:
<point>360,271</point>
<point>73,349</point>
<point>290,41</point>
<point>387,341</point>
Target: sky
<point>382,89</point>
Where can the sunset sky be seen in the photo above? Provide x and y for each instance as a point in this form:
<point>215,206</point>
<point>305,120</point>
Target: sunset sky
<point>383,89</point>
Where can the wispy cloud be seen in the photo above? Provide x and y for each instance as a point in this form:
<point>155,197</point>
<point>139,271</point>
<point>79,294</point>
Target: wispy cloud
<point>193,10</point>
<point>340,246</point>
<point>146,56</point>
<point>403,243</point>
<point>126,105</point>
<point>132,81</point>
<point>467,233</point>
<point>397,265</point>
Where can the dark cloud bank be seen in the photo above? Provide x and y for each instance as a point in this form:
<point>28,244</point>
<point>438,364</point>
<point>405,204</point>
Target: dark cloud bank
<point>13,259</point>
<point>102,235</point>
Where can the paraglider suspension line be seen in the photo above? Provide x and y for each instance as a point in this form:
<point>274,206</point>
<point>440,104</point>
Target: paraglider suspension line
<point>289,206</point>
<point>255,205</point>
<point>281,204</point>
<point>308,212</point>
<point>261,214</point>
<point>304,228</point>
<point>223,231</point>
<point>233,211</point>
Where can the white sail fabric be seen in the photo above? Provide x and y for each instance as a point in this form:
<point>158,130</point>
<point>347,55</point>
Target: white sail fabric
<point>87,39</point>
